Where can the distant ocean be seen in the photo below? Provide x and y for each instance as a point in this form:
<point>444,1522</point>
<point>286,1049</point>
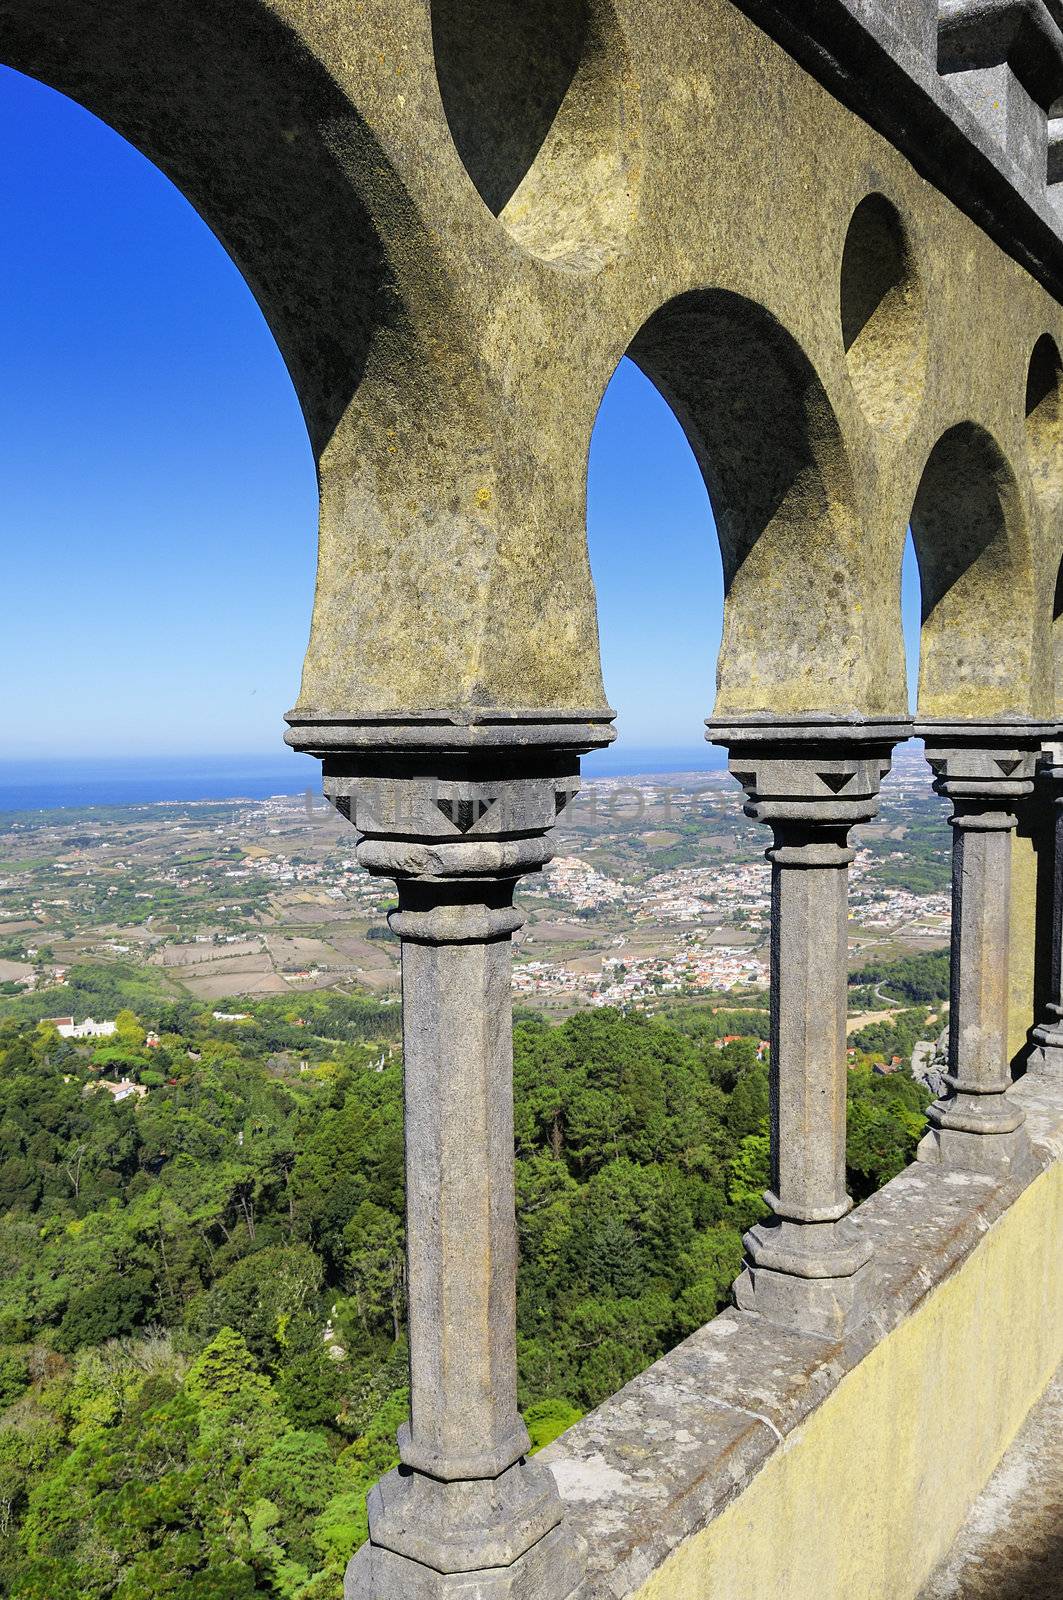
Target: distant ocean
<point>47,785</point>
<point>627,761</point>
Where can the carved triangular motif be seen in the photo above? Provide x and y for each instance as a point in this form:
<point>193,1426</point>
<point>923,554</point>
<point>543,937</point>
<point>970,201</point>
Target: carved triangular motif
<point>463,813</point>
<point>835,781</point>
<point>1007,767</point>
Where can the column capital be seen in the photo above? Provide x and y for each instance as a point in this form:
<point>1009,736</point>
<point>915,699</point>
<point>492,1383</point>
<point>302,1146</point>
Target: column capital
<point>446,794</point>
<point>809,776</point>
<point>984,767</point>
<point>452,823</point>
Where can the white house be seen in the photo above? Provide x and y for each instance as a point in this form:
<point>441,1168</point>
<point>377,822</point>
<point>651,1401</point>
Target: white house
<point>67,1028</point>
<point>124,1089</point>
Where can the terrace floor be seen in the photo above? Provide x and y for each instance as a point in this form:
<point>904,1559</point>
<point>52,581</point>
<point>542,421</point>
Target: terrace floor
<point>1011,1546</point>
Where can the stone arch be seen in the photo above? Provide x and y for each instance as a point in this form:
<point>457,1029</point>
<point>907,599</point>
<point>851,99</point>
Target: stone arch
<point>261,142</point>
<point>229,100</point>
<point>770,449</point>
<point>970,537</point>
<point>643,478</point>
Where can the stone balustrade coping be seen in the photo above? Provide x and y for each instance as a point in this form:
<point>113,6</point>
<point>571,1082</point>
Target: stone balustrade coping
<point>657,1462</point>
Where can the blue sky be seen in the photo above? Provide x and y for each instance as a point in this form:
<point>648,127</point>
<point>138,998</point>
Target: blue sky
<point>158,493</point>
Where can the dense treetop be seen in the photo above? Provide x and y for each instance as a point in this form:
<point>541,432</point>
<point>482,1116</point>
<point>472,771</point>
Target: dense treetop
<point>202,1296</point>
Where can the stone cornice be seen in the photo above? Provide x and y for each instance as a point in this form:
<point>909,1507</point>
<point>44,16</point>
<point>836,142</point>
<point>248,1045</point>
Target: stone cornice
<point>885,68</point>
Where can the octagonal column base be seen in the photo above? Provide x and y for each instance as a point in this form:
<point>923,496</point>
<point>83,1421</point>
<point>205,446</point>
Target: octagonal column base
<point>1046,1054</point>
<point>829,1307</point>
<point>550,1568</point>
<point>462,1524</point>
<point>994,1155</point>
<point>811,1277</point>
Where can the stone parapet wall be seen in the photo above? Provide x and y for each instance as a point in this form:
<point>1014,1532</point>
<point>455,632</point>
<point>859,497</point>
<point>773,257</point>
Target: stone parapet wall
<point>752,1463</point>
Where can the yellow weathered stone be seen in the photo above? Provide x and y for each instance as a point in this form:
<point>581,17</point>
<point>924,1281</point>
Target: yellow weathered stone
<point>866,1496</point>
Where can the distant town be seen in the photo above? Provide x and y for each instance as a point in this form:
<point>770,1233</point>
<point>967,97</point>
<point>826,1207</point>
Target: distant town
<point>659,891</point>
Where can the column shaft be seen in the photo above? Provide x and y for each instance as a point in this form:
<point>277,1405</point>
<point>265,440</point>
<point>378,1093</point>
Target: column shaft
<point>1057,908</point>
<point>986,770</point>
<point>811,780</point>
<point>1047,1053</point>
<point>460,1217</point>
<point>808,966</point>
<point>981,922</point>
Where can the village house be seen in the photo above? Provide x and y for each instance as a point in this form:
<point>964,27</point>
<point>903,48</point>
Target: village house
<point>67,1028</point>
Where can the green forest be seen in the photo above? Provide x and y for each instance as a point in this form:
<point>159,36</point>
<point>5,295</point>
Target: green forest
<point>202,1311</point>
<point>916,979</point>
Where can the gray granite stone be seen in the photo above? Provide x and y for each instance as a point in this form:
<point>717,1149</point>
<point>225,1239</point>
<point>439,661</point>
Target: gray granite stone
<point>1047,1039</point>
<point>465,1516</point>
<point>986,771</point>
<point>811,783</point>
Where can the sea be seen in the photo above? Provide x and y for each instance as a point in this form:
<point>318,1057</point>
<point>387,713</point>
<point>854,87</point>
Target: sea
<point>39,785</point>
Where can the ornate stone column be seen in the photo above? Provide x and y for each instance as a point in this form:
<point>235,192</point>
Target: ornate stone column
<point>1047,1052</point>
<point>810,780</point>
<point>986,770</point>
<point>466,1516</point>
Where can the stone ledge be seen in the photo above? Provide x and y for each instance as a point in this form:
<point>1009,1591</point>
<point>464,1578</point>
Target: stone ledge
<point>880,59</point>
<point>658,1462</point>
<point>1021,33</point>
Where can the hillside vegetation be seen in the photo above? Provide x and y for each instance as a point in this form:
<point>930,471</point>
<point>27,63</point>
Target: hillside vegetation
<point>202,1305</point>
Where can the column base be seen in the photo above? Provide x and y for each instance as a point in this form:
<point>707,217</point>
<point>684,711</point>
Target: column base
<point>811,1278</point>
<point>550,1570</point>
<point>1046,1053</point>
<point>993,1155</point>
<point>828,1307</point>
<point>463,1524</point>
